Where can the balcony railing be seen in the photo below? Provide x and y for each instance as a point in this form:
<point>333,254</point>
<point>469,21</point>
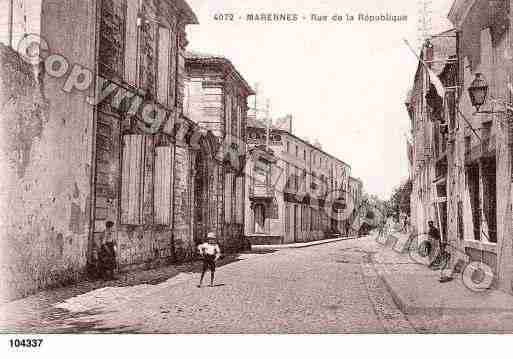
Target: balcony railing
<point>261,192</point>
<point>486,148</point>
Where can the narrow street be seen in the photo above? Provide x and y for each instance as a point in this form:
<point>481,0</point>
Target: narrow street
<point>321,289</point>
<point>329,288</point>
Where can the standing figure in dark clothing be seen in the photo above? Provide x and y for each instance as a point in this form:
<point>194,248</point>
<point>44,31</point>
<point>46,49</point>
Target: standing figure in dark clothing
<point>441,258</point>
<point>434,238</point>
<point>107,253</point>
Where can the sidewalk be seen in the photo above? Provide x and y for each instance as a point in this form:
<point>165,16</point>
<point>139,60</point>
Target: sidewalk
<point>263,247</point>
<point>416,289</point>
<point>44,309</point>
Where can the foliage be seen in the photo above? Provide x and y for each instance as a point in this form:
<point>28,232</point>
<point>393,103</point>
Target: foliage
<point>399,202</point>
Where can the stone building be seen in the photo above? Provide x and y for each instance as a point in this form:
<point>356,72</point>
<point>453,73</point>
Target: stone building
<point>295,191</point>
<point>462,148</point>
<point>216,100</point>
<point>480,185</point>
<point>112,147</point>
<point>356,218</point>
<point>431,128</point>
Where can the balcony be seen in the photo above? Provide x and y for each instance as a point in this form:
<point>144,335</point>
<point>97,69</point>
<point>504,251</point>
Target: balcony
<point>263,193</point>
<point>484,149</point>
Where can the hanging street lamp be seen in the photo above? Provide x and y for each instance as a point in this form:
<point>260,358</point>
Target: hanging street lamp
<point>478,91</point>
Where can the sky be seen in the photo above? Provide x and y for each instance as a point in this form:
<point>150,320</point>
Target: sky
<point>344,83</point>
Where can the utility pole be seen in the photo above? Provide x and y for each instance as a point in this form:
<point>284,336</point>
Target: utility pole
<point>268,124</point>
<point>9,30</point>
<point>424,27</point>
<point>256,100</point>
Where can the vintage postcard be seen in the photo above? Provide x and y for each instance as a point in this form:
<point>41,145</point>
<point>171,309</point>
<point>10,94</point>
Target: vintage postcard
<point>255,167</point>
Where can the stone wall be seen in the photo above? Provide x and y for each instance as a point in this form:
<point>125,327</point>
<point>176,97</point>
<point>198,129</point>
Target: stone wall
<point>45,187</point>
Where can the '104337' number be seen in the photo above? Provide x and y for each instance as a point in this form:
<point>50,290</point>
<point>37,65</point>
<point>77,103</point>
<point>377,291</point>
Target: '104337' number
<point>25,343</point>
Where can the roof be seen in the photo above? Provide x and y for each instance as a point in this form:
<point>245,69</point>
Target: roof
<point>444,45</point>
<point>186,10</point>
<point>301,140</point>
<point>354,179</point>
<point>204,58</point>
<point>444,48</point>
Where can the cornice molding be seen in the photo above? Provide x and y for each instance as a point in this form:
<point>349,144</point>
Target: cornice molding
<point>459,12</point>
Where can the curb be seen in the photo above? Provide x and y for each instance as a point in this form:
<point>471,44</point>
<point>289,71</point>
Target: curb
<point>300,245</point>
<point>406,308</point>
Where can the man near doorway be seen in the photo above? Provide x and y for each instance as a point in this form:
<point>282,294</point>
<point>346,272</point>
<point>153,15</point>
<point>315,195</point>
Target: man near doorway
<point>107,252</point>
<point>436,243</point>
<point>210,254</point>
<point>441,258</point>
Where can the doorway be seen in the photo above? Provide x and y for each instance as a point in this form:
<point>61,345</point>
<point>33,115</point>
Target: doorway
<point>200,198</point>
<point>259,219</point>
<point>295,224</point>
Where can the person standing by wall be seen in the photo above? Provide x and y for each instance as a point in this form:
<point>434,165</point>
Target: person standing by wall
<point>107,253</point>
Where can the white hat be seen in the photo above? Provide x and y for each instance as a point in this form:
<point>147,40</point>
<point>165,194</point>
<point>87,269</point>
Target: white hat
<point>211,235</point>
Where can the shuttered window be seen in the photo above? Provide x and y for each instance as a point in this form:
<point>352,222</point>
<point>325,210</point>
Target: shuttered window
<point>235,200</point>
<point>162,185</point>
<point>287,219</point>
<point>147,52</point>
<point>131,42</point>
<point>132,179</point>
<point>240,200</point>
<point>163,65</point>
<point>112,37</point>
<point>228,201</point>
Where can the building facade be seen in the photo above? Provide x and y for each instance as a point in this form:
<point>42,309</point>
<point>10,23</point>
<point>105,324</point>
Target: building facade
<point>357,216</point>
<point>462,152</point>
<point>432,123</point>
<point>216,100</point>
<point>482,167</point>
<point>107,141</point>
<point>295,191</point>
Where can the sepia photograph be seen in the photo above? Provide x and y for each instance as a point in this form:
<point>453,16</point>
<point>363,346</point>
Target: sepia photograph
<point>249,167</point>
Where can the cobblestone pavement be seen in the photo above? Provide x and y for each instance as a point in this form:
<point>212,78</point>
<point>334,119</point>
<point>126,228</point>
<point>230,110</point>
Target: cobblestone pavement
<point>331,288</point>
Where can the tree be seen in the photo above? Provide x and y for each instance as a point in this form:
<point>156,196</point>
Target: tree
<point>400,200</point>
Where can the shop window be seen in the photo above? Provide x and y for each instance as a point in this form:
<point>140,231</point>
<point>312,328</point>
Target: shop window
<point>473,187</point>
<point>490,200</point>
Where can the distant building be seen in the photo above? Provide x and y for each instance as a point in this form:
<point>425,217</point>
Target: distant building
<point>479,181</point>
<point>462,159</point>
<point>431,126</point>
<point>216,100</point>
<point>293,189</point>
<point>356,218</point>
<point>87,156</point>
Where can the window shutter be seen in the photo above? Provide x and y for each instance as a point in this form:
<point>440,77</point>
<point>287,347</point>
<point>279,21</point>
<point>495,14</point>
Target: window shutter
<point>163,66</point>
<point>162,186</point>
<point>240,200</point>
<point>228,200</point>
<point>131,179</point>
<point>131,42</point>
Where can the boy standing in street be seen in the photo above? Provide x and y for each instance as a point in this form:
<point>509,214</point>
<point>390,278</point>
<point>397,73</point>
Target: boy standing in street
<point>210,253</point>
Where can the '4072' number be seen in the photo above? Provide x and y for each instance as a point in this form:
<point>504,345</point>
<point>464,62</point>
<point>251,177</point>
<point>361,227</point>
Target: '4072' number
<point>224,17</point>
